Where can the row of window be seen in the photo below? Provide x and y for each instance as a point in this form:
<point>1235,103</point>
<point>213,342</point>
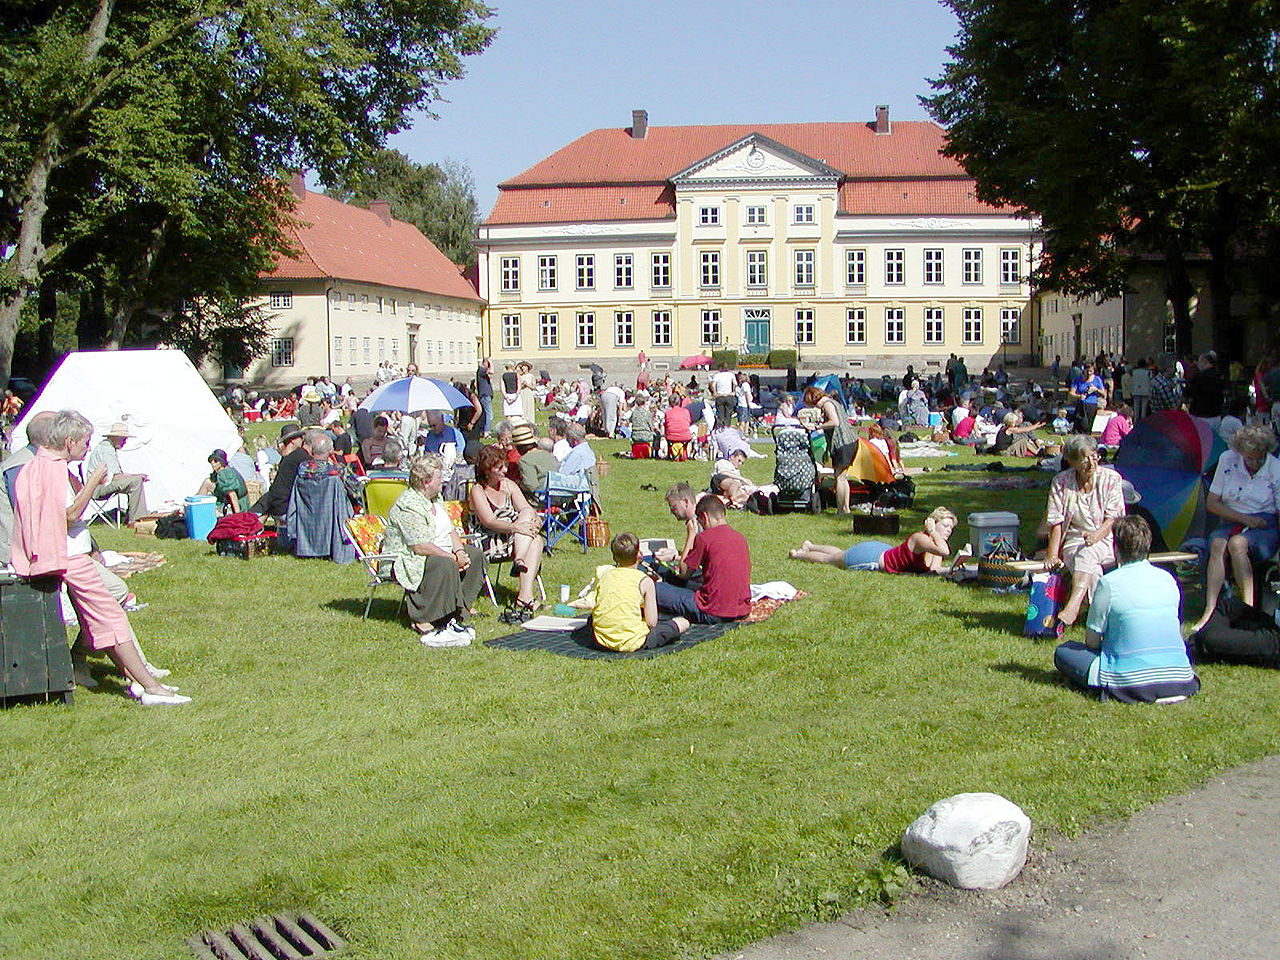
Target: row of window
<point>804,262</point>
<point>662,331</point>
<point>755,215</point>
<point>355,351</point>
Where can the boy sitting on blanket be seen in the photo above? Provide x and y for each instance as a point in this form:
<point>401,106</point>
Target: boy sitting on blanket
<point>625,618</point>
<point>721,553</point>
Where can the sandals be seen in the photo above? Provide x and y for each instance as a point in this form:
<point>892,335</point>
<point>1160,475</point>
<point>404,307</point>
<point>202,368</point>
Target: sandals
<point>519,612</point>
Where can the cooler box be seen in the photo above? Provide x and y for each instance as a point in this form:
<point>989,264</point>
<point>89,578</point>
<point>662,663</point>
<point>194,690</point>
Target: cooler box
<point>935,419</point>
<point>997,530</point>
<point>202,514</point>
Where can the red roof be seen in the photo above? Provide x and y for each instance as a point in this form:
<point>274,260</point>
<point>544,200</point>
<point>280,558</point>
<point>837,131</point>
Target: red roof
<point>586,179</point>
<point>341,242</point>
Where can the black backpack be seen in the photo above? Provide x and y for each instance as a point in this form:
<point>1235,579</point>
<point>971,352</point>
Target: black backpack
<point>172,527</point>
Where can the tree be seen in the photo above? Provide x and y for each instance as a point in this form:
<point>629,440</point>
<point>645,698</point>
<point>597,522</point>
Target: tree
<point>119,109</point>
<point>438,200</point>
<point>1125,126</point>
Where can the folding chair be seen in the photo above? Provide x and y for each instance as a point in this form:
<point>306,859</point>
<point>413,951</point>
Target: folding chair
<point>381,492</point>
<point>566,499</point>
<point>460,513</point>
<point>110,509</point>
<point>366,532</point>
<point>350,460</point>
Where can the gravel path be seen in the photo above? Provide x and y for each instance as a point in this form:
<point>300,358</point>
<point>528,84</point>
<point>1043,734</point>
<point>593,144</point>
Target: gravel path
<point>1194,877</point>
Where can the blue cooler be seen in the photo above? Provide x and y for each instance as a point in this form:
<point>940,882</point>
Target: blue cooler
<point>935,418</point>
<point>202,514</point>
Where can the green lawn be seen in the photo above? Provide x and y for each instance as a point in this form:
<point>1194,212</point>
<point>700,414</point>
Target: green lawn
<point>481,803</point>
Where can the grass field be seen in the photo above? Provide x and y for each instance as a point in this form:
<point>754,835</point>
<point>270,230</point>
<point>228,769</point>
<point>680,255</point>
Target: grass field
<point>477,803</point>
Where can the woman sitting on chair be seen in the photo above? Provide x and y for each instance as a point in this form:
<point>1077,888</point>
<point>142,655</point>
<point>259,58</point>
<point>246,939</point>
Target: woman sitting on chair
<point>510,528</point>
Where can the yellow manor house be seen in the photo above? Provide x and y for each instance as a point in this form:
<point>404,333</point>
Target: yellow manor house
<point>857,244</point>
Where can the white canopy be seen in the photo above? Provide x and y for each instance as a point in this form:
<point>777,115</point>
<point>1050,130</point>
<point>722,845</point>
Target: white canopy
<point>174,416</point>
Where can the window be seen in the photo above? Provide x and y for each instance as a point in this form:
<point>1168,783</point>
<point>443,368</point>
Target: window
<point>895,325</point>
<point>335,299</point>
<point>351,351</point>
<point>933,266</point>
<point>756,215</point>
<point>510,275</point>
<point>972,259</point>
<point>1010,325</point>
<point>662,270</point>
<point>933,325</point>
<point>282,352</point>
<point>586,272</point>
<point>622,271</point>
<point>1011,267</point>
<point>804,213</point>
<point>708,216</point>
<point>624,333</point>
<point>364,303</point>
<point>393,306</point>
<point>337,351</point>
<point>548,330</point>
<point>757,268</point>
<point>586,327</point>
<point>395,350</point>
<point>411,308</point>
<point>368,356</point>
<point>855,267</point>
<point>710,328</point>
<point>855,325</point>
<point>895,270</point>
<point>511,331</point>
<point>710,268</point>
<point>804,327</point>
<point>379,304</point>
<point>382,349</point>
<point>282,300</point>
<point>351,301</point>
<point>972,325</point>
<point>661,328</point>
<point>546,273</point>
<point>804,268</point>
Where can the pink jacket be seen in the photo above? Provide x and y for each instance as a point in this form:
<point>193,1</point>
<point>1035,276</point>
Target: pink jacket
<point>40,516</point>
<point>1117,429</point>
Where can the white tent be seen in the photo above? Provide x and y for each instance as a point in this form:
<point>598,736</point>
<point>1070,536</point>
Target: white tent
<point>174,416</point>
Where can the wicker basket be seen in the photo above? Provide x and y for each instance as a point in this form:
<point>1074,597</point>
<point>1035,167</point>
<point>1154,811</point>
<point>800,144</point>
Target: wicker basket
<point>994,570</point>
<point>603,468</point>
<point>597,532</point>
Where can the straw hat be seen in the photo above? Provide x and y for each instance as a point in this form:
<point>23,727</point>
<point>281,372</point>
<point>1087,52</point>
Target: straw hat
<point>119,429</point>
<point>523,435</point>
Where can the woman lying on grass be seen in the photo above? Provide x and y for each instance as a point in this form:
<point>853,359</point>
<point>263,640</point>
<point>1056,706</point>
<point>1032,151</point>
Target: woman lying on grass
<point>922,552</point>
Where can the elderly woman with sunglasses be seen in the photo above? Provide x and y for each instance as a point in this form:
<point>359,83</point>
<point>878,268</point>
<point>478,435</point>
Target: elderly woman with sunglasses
<point>1084,501</point>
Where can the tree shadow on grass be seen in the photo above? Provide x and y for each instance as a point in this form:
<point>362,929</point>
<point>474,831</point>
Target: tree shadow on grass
<point>1032,674</point>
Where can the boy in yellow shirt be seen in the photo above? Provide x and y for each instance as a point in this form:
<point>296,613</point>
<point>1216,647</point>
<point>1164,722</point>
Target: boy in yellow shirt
<point>625,617</point>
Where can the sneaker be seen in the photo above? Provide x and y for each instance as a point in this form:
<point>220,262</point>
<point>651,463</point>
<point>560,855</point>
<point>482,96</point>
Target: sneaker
<point>80,673</point>
<point>460,628</point>
<point>131,603</point>
<point>446,636</point>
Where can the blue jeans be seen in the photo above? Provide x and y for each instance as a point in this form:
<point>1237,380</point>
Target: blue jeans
<point>486,404</point>
<point>1074,661</point>
<point>680,602</point>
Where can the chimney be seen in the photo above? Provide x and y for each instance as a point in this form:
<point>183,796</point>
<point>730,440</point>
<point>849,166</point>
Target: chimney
<point>298,185</point>
<point>639,124</point>
<point>882,118</point>
<point>383,209</point>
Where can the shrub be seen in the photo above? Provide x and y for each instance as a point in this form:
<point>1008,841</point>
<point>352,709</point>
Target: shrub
<point>781,359</point>
<point>724,359</point>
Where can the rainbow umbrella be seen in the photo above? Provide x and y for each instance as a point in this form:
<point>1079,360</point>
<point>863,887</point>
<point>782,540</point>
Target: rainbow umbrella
<point>1165,457</point>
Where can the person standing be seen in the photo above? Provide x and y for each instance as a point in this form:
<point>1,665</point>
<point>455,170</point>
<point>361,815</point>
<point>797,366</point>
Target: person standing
<point>723,386</point>
<point>1140,387</point>
<point>484,390</point>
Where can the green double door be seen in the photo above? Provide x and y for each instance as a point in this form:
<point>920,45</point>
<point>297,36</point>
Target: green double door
<point>755,323</point>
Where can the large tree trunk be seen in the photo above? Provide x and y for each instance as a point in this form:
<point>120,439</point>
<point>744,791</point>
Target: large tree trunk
<point>1179,290</point>
<point>132,289</point>
<point>1227,338</point>
<point>48,320</point>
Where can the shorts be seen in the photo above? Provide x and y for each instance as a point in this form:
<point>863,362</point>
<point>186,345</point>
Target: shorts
<point>1262,543</point>
<point>865,555</point>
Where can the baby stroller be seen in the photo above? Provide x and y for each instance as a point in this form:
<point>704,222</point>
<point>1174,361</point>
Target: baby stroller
<point>795,473</point>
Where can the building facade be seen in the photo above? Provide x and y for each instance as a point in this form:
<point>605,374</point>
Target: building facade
<point>857,244</point>
<point>363,288</point>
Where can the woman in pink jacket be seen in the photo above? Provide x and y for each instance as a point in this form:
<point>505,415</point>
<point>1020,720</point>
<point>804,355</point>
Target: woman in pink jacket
<point>51,539</point>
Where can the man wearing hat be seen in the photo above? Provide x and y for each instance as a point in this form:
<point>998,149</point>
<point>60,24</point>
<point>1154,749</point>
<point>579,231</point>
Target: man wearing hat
<point>117,481</point>
<point>536,461</point>
<point>275,502</point>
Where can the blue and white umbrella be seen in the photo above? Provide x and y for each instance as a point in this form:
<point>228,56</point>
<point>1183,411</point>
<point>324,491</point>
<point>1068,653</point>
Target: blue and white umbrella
<point>410,394</point>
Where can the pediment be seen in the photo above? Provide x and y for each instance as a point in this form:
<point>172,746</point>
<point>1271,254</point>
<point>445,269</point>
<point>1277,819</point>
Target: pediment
<point>756,158</point>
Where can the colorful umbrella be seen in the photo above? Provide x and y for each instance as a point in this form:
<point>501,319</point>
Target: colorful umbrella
<point>692,363</point>
<point>410,394</point>
<point>1165,457</point>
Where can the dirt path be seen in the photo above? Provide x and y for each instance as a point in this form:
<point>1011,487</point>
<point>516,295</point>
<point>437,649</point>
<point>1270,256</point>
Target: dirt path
<point>1195,877</point>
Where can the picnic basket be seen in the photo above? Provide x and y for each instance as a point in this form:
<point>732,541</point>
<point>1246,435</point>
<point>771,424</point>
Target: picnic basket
<point>597,532</point>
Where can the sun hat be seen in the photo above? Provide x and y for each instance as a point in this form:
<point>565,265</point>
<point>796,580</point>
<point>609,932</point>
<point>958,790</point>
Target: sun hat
<point>523,435</point>
<point>119,429</point>
<point>311,395</point>
<point>290,431</point>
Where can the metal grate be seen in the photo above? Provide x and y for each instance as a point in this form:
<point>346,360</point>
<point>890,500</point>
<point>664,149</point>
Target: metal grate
<point>281,936</point>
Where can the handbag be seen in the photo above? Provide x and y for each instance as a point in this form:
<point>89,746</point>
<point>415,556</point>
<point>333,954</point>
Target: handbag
<point>1048,593</point>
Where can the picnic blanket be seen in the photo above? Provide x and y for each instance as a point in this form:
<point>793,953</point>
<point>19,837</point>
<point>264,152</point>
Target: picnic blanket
<point>129,562</point>
<point>923,448</point>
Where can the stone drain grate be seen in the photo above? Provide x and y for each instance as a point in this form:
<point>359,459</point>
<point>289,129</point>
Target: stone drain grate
<point>281,936</point>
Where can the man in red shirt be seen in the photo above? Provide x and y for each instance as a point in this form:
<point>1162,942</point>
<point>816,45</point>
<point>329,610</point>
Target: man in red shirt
<point>721,553</point>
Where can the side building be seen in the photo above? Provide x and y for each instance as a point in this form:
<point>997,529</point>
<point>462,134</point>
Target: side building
<point>362,288</point>
<point>857,244</point>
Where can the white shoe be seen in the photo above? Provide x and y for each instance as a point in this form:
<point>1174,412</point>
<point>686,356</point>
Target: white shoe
<point>136,690</point>
<point>158,672</point>
<point>446,636</point>
<point>162,699</point>
<point>462,629</point>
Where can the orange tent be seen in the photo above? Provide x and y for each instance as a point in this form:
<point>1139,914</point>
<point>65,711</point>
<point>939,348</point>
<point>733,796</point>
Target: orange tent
<point>869,464</point>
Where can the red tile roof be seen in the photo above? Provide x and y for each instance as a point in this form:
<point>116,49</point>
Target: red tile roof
<point>341,242</point>
<point>586,179</point>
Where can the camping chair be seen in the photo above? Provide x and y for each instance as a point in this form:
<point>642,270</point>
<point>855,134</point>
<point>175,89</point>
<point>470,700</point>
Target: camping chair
<point>314,523</point>
<point>111,509</point>
<point>381,492</point>
<point>567,502</point>
<point>460,513</point>
<point>351,461</point>
<point>365,533</point>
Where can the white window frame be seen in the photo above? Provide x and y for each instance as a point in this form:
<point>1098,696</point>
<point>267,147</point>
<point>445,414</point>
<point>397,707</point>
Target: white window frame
<point>584,329</point>
<point>934,328</point>
<point>710,269</point>
<point>352,347</point>
<point>895,266</point>
<point>547,269</point>
<point>585,271</point>
<point>379,305</point>
<point>971,257</point>
<point>382,349</point>
<point>711,331</point>
<point>395,350</point>
<point>282,352</point>
<point>805,262</point>
<point>364,303</point>
<point>661,328</point>
<point>548,331</point>
<point>510,277</point>
<point>708,216</point>
<point>1010,320</point>
<point>971,328</point>
<point>1010,267</point>
<point>855,326</point>
<point>623,271</point>
<point>351,302</point>
<point>855,267</point>
<point>624,328</point>
<point>337,351</point>
<point>804,213</point>
<point>933,261</point>
<point>411,308</point>
<point>281,299</point>
<point>757,268</point>
<point>895,325</point>
<point>368,350</point>
<point>757,215</point>
<point>660,271</point>
<point>805,327</point>
<point>511,331</point>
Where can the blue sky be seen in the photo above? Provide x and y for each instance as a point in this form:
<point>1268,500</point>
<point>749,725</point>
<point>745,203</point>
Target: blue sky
<point>558,69</point>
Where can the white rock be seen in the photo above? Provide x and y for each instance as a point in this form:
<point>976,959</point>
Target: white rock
<point>975,841</point>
